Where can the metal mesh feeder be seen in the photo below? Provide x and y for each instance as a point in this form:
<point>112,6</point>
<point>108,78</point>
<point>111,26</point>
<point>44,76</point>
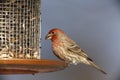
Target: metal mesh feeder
<point>20,33</point>
<point>19,29</point>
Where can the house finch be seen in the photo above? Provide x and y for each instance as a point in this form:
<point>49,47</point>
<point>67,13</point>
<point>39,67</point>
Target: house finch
<point>67,50</point>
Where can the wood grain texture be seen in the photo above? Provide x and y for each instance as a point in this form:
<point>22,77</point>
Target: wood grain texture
<point>27,66</point>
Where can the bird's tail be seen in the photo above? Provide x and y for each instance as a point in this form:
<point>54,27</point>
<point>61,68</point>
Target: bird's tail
<point>98,68</point>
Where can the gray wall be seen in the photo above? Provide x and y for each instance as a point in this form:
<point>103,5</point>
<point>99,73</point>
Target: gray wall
<point>94,25</point>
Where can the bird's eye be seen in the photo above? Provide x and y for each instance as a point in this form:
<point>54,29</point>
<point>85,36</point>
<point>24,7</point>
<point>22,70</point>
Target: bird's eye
<point>52,32</point>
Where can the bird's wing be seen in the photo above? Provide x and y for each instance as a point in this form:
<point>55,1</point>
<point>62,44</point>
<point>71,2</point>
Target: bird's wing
<point>73,47</point>
<point>77,50</point>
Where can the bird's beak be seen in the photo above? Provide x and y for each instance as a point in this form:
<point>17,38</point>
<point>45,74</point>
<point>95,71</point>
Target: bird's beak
<point>48,36</point>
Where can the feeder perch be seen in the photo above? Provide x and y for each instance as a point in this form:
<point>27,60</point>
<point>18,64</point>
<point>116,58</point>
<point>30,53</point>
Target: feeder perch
<point>20,33</point>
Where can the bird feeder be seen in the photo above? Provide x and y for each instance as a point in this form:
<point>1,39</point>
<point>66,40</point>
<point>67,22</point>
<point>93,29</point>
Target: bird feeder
<point>20,33</point>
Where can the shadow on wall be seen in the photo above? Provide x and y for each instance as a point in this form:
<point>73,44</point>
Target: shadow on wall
<point>118,3</point>
<point>1,78</point>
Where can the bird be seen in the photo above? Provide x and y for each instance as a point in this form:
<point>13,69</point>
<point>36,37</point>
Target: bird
<point>67,50</point>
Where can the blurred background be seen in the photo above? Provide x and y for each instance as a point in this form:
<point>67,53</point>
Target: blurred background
<point>94,25</point>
